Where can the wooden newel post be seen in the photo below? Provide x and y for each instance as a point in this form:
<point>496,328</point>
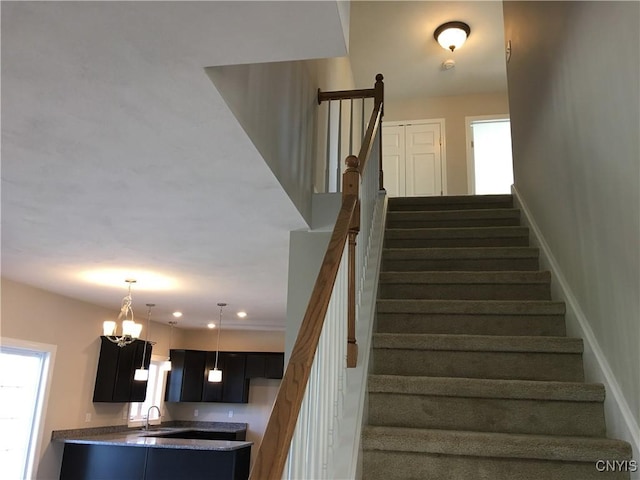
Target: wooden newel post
<point>351,186</point>
<point>379,99</point>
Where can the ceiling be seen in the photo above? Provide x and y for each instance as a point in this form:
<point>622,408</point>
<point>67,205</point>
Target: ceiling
<point>120,159</point>
<point>396,38</point>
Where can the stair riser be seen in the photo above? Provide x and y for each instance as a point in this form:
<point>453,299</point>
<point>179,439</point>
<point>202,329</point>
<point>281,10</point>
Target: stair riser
<point>456,242</point>
<point>487,414</point>
<point>385,465</point>
<point>536,291</point>
<point>455,202</point>
<point>426,207</point>
<point>471,324</point>
<point>453,223</point>
<point>460,265</point>
<point>565,367</point>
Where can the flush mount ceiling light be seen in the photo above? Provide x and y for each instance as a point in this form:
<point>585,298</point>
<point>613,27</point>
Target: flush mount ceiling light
<point>452,35</point>
<point>142,374</point>
<point>130,329</point>
<point>215,375</point>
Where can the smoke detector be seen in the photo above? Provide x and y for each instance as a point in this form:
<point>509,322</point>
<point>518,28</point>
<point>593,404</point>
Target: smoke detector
<point>448,64</point>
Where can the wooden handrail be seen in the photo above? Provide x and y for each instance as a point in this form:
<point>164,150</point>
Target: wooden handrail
<point>277,437</point>
<point>276,441</point>
<point>377,93</point>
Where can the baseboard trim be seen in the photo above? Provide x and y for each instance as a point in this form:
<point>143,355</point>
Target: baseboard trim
<point>620,421</point>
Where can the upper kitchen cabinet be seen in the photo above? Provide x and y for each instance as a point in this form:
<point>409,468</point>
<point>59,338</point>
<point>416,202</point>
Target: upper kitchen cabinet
<point>186,379</point>
<point>265,365</point>
<point>234,387</point>
<point>116,368</point>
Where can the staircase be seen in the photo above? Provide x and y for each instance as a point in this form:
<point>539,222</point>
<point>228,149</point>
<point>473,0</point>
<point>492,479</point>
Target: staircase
<point>472,375</point>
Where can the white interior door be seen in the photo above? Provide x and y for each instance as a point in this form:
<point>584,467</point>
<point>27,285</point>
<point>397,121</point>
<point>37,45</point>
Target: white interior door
<point>393,160</point>
<point>413,158</point>
<point>423,160</point>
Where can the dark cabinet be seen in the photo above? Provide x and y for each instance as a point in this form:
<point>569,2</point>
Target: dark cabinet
<point>234,387</point>
<point>265,365</point>
<point>188,379</point>
<point>116,368</point>
<point>109,462</point>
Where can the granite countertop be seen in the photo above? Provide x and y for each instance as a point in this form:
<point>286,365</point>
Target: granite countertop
<point>124,436</point>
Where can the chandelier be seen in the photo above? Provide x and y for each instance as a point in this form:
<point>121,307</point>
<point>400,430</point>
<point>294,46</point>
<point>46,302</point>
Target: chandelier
<point>130,329</point>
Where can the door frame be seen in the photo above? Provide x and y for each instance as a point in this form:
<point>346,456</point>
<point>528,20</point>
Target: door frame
<point>471,170</point>
<point>443,143</point>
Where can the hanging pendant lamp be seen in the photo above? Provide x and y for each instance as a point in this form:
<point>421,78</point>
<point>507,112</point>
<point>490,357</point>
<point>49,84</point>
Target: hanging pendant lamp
<point>215,375</point>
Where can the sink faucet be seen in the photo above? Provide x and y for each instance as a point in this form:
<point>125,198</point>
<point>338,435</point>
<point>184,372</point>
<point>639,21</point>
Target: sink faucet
<point>146,422</point>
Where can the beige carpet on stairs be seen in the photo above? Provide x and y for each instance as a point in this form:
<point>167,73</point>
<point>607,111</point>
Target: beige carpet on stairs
<point>472,376</point>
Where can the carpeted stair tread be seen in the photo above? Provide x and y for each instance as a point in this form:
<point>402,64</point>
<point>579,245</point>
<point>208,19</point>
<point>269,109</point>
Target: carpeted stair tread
<point>454,201</point>
<point>477,343</point>
<point>536,277</point>
<point>487,388</point>
<point>480,307</point>
<point>489,444</point>
<point>467,214</point>
<point>457,237</point>
<point>521,285</point>
<point>456,232</point>
<point>460,253</point>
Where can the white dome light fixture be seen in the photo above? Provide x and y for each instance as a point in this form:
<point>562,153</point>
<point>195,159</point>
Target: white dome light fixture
<point>452,35</point>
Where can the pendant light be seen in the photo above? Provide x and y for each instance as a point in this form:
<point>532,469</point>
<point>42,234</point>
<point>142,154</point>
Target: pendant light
<point>130,329</point>
<point>142,374</point>
<point>215,375</point>
<point>166,366</point>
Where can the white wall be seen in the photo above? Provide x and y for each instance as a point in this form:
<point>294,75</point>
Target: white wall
<point>453,109</point>
<point>574,103</point>
<point>276,105</point>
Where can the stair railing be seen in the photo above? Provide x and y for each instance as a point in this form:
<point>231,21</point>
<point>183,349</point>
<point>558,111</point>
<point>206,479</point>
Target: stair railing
<point>304,423</point>
<point>342,123</point>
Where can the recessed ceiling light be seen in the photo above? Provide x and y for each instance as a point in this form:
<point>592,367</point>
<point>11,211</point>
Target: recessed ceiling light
<point>211,325</point>
<point>242,314</point>
<point>177,314</point>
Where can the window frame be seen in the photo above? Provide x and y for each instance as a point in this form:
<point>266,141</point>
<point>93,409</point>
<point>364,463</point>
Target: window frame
<point>48,356</point>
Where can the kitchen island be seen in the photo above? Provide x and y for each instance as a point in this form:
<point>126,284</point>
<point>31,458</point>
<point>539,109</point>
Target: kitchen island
<point>169,453</point>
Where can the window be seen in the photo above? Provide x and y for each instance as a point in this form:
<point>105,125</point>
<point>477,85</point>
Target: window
<point>155,396</point>
<point>24,380</point>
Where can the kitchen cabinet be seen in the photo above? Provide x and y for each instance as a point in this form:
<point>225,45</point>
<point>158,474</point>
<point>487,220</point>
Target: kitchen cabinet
<point>237,369</point>
<point>109,462</point>
<point>264,365</point>
<point>116,368</point>
<point>186,379</point>
<point>234,387</point>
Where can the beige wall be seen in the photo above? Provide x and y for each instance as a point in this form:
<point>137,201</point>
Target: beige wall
<point>233,340</point>
<point>35,315</point>
<point>573,90</point>
<point>453,109</point>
